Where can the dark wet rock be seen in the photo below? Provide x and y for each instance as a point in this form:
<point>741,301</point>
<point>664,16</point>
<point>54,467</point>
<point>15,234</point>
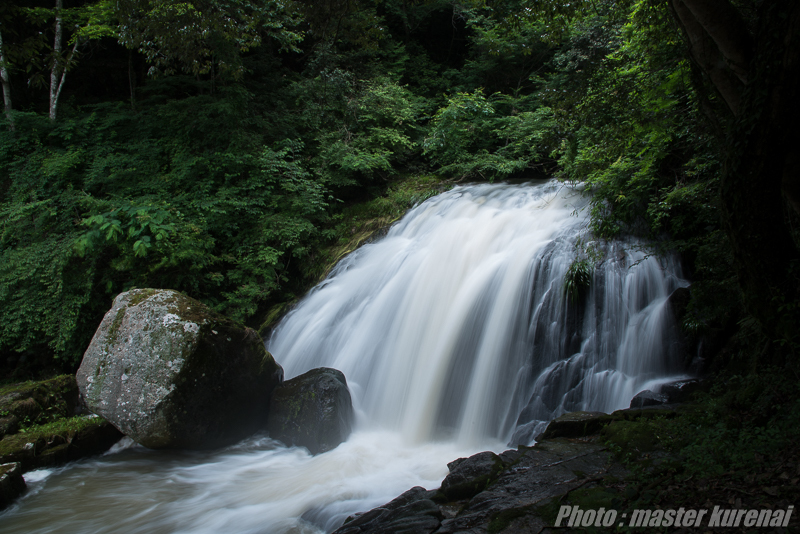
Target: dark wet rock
<point>12,485</point>
<point>170,373</point>
<point>470,476</point>
<point>648,398</point>
<point>681,390</point>
<point>667,411</point>
<point>413,512</point>
<point>313,410</point>
<point>60,442</point>
<point>516,484</point>
<point>576,424</point>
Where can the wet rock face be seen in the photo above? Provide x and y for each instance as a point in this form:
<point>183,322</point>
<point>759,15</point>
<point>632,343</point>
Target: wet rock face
<point>469,476</point>
<point>171,373</point>
<point>504,492</point>
<point>11,483</point>
<point>412,512</point>
<point>575,424</point>
<point>313,410</point>
<point>648,398</point>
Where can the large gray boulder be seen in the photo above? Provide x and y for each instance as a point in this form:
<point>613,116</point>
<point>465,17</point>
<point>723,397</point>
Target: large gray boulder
<point>170,373</point>
<point>313,410</point>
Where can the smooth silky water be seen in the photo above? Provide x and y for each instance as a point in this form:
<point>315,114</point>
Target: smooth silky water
<point>455,335</point>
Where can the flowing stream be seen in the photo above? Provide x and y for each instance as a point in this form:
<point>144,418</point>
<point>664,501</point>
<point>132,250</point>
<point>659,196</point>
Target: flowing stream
<point>455,335</point>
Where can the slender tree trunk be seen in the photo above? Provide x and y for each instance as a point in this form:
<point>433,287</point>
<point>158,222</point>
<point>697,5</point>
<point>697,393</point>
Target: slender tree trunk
<point>132,80</point>
<point>55,69</point>
<point>6,82</point>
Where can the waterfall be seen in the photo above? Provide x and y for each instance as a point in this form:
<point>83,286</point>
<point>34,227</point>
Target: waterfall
<point>456,324</point>
<point>455,335</point>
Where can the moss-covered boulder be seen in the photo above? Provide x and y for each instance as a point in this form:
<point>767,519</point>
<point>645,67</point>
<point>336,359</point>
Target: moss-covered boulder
<point>59,442</point>
<point>33,403</point>
<point>170,373</point>
<point>313,410</point>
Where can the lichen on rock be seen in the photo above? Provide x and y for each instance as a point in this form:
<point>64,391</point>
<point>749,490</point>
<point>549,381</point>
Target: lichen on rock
<point>171,373</point>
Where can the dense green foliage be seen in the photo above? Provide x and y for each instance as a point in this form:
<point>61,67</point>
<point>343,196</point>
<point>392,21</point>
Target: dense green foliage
<point>222,148</point>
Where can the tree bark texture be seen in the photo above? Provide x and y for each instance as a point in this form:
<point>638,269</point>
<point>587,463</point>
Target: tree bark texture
<point>54,70</point>
<point>6,83</point>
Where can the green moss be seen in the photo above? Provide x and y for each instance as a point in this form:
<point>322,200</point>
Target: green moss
<point>359,223</point>
<point>112,332</point>
<point>140,296</point>
<point>595,498</point>
<point>62,426</point>
<point>632,440</point>
<point>354,226</point>
<point>502,520</point>
<point>38,402</point>
<point>274,314</point>
<point>62,429</point>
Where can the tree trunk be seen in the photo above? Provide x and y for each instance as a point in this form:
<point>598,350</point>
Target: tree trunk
<point>58,73</point>
<point>761,172</point>
<point>758,76</point>
<point>6,82</point>
<point>55,69</point>
<point>708,57</point>
<point>132,80</point>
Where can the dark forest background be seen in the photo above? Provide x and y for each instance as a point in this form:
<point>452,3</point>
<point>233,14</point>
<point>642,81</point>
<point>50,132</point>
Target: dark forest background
<point>223,148</point>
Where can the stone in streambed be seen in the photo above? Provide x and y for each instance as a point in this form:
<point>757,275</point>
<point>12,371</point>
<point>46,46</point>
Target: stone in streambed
<point>648,398</point>
<point>170,373</point>
<point>470,476</point>
<point>313,410</point>
<point>12,484</point>
<point>413,512</point>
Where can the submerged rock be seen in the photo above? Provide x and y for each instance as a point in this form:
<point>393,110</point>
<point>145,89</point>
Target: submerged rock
<point>313,410</point>
<point>12,484</point>
<point>170,373</point>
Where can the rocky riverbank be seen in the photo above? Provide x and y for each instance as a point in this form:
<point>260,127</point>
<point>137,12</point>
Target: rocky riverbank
<point>42,424</point>
<point>517,490</point>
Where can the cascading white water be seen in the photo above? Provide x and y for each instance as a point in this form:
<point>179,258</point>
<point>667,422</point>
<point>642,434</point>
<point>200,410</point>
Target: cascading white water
<point>456,325</point>
<point>455,335</point>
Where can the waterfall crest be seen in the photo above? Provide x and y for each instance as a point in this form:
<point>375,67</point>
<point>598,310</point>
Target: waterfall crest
<point>456,324</point>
